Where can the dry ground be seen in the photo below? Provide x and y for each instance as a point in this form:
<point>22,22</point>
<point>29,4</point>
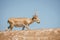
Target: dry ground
<point>42,34</point>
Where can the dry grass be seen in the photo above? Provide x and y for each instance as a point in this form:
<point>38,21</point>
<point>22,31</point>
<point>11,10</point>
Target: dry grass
<point>42,34</point>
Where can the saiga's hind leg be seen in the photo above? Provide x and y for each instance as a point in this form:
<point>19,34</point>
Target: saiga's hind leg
<point>11,27</point>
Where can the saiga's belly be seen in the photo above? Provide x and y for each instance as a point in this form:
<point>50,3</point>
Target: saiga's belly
<point>18,24</point>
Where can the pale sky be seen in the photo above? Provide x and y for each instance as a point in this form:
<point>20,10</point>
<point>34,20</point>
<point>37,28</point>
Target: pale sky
<point>48,12</point>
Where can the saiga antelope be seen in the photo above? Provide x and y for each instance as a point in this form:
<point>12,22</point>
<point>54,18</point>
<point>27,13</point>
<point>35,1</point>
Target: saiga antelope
<point>22,22</point>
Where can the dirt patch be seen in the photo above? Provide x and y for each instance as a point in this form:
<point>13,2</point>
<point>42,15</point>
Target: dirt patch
<point>43,34</point>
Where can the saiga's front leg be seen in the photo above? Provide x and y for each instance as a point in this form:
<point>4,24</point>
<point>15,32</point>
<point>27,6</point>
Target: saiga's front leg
<point>26,26</point>
<point>23,28</point>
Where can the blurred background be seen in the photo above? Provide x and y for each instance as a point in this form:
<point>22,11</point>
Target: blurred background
<point>48,12</point>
